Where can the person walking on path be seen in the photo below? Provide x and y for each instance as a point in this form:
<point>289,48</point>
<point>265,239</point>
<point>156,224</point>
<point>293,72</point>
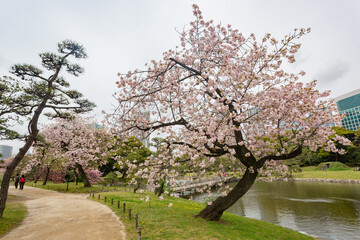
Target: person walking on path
<point>17,179</point>
<point>22,182</point>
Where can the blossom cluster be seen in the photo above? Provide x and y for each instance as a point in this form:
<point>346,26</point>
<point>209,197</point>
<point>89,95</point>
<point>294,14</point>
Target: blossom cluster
<point>221,94</point>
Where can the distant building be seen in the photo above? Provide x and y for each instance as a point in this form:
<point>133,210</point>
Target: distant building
<point>143,136</point>
<point>349,104</point>
<point>5,151</point>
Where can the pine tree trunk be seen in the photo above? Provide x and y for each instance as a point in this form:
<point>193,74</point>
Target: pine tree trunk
<point>214,211</point>
<point>83,175</point>
<point>33,131</point>
<point>11,168</point>
<point>46,175</point>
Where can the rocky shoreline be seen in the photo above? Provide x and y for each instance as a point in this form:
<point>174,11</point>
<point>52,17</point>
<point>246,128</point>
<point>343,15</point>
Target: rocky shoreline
<point>323,180</point>
<point>354,181</point>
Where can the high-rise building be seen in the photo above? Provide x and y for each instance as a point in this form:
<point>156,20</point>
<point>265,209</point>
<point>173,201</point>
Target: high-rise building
<point>349,104</point>
<point>5,151</point>
<point>142,135</point>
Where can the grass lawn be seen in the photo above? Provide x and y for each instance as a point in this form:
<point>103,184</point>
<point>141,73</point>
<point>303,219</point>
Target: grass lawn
<point>14,214</point>
<point>313,172</point>
<point>177,222</point>
<point>73,188</point>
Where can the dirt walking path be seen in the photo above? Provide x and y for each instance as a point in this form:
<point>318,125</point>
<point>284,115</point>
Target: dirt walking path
<point>58,216</point>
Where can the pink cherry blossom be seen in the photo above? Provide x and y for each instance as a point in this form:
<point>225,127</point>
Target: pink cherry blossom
<point>223,94</point>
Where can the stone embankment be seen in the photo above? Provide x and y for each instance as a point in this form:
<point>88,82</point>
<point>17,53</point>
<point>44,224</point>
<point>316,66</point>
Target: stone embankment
<point>325,180</point>
<point>187,187</point>
<point>322,180</point>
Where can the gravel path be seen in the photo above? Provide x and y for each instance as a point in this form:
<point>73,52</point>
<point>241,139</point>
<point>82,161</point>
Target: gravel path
<point>58,216</point>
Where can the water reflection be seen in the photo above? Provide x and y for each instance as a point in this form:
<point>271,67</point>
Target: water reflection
<point>327,210</point>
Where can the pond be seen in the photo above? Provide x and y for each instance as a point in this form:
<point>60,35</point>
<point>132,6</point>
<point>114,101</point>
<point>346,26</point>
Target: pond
<point>325,210</point>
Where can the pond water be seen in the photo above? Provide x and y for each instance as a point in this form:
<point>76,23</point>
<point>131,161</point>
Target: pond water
<point>325,210</point>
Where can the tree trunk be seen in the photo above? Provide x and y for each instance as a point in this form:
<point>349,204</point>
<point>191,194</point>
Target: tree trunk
<point>46,175</point>
<point>36,179</point>
<point>76,177</point>
<point>156,190</point>
<point>11,168</point>
<point>160,190</point>
<point>136,188</point>
<point>33,131</point>
<point>83,175</point>
<point>214,211</point>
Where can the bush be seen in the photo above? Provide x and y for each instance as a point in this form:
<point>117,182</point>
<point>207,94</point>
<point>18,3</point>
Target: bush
<point>334,166</point>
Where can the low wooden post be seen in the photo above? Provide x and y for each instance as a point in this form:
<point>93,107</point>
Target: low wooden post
<point>105,199</point>
<point>136,220</point>
<point>112,201</point>
<point>129,213</point>
<point>118,204</point>
<point>124,207</point>
<point>93,195</point>
<point>138,230</point>
<point>99,197</point>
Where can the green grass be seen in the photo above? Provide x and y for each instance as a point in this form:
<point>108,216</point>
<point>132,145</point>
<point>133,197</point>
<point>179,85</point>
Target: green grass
<point>334,166</point>
<point>178,222</point>
<point>337,170</point>
<point>14,214</point>
<point>73,188</point>
<point>343,174</point>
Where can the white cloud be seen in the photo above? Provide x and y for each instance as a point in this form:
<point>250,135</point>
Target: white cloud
<point>333,72</point>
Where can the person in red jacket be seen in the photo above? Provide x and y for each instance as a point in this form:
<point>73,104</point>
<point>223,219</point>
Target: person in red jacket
<point>22,182</point>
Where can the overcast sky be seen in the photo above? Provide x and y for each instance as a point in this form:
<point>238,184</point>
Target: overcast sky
<point>123,35</point>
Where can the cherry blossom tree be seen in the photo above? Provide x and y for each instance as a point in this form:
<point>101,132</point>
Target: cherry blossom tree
<point>75,144</point>
<point>47,165</point>
<point>34,91</point>
<point>223,94</point>
<point>94,175</point>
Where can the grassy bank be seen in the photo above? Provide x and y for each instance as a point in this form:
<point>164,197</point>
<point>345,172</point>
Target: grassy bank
<point>314,172</point>
<point>72,188</point>
<point>14,214</point>
<point>177,222</point>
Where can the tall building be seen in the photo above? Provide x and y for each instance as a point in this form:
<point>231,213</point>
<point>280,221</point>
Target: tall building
<point>349,104</point>
<point>142,135</point>
<point>5,151</point>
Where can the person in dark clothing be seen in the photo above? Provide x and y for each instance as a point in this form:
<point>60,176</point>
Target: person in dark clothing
<point>22,182</point>
<point>17,179</point>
